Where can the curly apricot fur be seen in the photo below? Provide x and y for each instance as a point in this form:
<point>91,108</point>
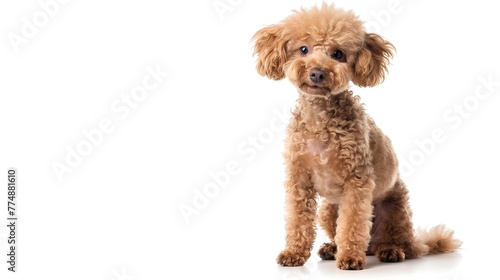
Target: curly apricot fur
<point>335,150</point>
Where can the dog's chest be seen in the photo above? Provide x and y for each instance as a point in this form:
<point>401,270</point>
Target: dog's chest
<point>323,169</point>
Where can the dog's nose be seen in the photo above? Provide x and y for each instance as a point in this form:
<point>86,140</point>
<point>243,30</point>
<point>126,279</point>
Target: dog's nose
<point>317,75</point>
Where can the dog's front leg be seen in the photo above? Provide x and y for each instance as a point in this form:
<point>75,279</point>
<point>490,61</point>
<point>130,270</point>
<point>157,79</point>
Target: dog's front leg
<point>301,217</point>
<point>354,223</point>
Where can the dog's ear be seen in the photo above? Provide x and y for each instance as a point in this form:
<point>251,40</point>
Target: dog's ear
<point>371,63</point>
<point>270,48</point>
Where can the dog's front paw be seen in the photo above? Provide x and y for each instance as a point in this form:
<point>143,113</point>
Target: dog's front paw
<point>351,263</point>
<point>289,258</point>
<point>327,251</point>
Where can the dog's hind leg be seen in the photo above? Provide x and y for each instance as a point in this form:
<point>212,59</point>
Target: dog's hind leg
<point>328,214</point>
<point>393,237</point>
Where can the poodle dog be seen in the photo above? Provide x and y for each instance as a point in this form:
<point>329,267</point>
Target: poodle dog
<point>334,149</point>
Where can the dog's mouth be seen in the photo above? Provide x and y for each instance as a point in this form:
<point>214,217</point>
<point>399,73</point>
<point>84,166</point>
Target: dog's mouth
<point>314,89</point>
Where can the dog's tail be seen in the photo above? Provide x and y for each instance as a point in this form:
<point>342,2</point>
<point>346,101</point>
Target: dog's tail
<point>438,239</point>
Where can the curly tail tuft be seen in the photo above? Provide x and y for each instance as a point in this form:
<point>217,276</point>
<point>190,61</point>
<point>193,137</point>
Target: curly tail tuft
<point>439,239</point>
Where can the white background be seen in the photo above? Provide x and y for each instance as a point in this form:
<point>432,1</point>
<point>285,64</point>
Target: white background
<point>117,215</point>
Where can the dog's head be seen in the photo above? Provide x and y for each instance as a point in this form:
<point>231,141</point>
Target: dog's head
<point>320,50</point>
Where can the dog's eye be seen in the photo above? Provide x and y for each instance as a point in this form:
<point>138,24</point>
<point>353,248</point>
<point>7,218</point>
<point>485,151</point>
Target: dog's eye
<point>339,55</point>
<point>303,50</point>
